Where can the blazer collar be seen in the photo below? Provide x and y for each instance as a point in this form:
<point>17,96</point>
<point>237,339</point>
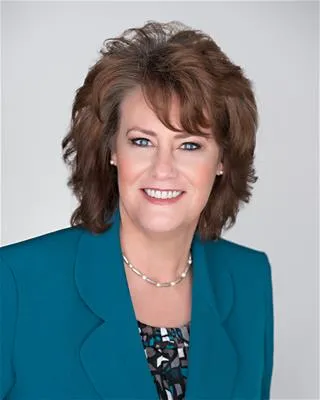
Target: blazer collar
<point>114,348</point>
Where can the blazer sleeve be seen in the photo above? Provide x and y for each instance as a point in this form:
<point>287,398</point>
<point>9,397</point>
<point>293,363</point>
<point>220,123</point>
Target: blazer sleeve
<point>269,333</point>
<point>8,316</point>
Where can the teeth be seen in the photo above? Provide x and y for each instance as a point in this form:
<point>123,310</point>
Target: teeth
<point>165,194</point>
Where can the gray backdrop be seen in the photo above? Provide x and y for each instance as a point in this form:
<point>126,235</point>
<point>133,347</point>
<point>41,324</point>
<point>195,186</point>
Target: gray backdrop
<point>47,49</point>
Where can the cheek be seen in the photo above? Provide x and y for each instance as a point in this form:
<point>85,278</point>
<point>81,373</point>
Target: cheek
<point>203,181</point>
<point>129,170</point>
<point>202,175</point>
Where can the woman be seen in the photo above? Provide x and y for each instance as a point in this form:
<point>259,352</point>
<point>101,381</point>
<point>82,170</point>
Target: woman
<point>141,298</point>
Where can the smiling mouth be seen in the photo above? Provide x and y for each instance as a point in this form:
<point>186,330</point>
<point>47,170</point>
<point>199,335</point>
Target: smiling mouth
<point>163,194</point>
<point>162,190</point>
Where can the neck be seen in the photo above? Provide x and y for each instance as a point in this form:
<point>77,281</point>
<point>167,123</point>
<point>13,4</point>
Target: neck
<point>162,257</point>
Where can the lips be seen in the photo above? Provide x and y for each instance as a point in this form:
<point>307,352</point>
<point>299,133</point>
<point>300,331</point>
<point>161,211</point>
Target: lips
<point>163,190</point>
<point>155,200</point>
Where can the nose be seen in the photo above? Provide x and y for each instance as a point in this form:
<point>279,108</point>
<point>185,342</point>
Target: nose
<point>164,166</point>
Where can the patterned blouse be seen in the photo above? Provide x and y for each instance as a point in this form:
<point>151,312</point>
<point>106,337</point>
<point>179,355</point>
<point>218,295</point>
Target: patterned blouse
<point>166,350</point>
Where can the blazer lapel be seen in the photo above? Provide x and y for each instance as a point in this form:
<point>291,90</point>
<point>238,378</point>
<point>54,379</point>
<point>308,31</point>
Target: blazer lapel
<point>112,354</point>
<point>212,358</point>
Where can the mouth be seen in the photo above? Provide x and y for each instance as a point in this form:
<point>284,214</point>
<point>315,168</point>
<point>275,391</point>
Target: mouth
<point>157,196</point>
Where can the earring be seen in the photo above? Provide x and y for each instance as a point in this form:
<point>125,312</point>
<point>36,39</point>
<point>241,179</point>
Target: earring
<point>220,172</point>
<point>112,162</point>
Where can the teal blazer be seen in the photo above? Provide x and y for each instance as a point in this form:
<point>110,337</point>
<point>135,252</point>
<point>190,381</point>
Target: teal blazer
<point>69,331</point>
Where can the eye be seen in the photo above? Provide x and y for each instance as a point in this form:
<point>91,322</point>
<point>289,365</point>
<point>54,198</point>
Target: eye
<point>138,141</point>
<point>143,142</point>
<point>196,146</point>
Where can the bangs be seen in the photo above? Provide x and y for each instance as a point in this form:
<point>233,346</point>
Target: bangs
<point>161,92</point>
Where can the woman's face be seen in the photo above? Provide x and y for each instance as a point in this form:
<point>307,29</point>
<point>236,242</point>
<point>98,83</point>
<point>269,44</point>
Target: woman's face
<point>150,156</point>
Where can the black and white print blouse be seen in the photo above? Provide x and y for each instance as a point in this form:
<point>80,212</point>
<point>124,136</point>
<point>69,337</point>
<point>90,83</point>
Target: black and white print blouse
<point>166,350</point>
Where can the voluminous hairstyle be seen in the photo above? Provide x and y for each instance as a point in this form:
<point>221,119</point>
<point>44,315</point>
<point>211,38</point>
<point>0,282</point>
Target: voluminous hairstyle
<point>164,60</point>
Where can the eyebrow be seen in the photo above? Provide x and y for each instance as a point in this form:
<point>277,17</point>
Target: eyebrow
<point>150,132</point>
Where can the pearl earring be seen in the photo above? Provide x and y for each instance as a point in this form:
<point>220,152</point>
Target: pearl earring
<point>220,172</point>
<point>112,162</point>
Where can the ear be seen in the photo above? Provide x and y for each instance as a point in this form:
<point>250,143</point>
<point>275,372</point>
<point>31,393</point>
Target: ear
<point>220,163</point>
<point>113,157</point>
<point>219,169</point>
<point>113,149</point>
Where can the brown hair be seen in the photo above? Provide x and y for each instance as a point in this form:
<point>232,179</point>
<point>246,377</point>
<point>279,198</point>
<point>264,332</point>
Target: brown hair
<point>164,59</point>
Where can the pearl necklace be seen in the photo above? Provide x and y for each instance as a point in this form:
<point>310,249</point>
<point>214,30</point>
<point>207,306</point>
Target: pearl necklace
<point>159,284</point>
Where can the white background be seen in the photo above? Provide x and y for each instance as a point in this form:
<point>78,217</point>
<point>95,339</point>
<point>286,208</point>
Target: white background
<point>47,49</point>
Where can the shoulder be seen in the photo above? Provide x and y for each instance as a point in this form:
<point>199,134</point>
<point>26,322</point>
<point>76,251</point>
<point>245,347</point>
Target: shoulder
<point>36,268</point>
<point>52,246</point>
<point>230,249</point>
<point>241,261</point>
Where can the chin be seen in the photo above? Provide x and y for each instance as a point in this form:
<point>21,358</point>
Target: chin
<point>160,225</point>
